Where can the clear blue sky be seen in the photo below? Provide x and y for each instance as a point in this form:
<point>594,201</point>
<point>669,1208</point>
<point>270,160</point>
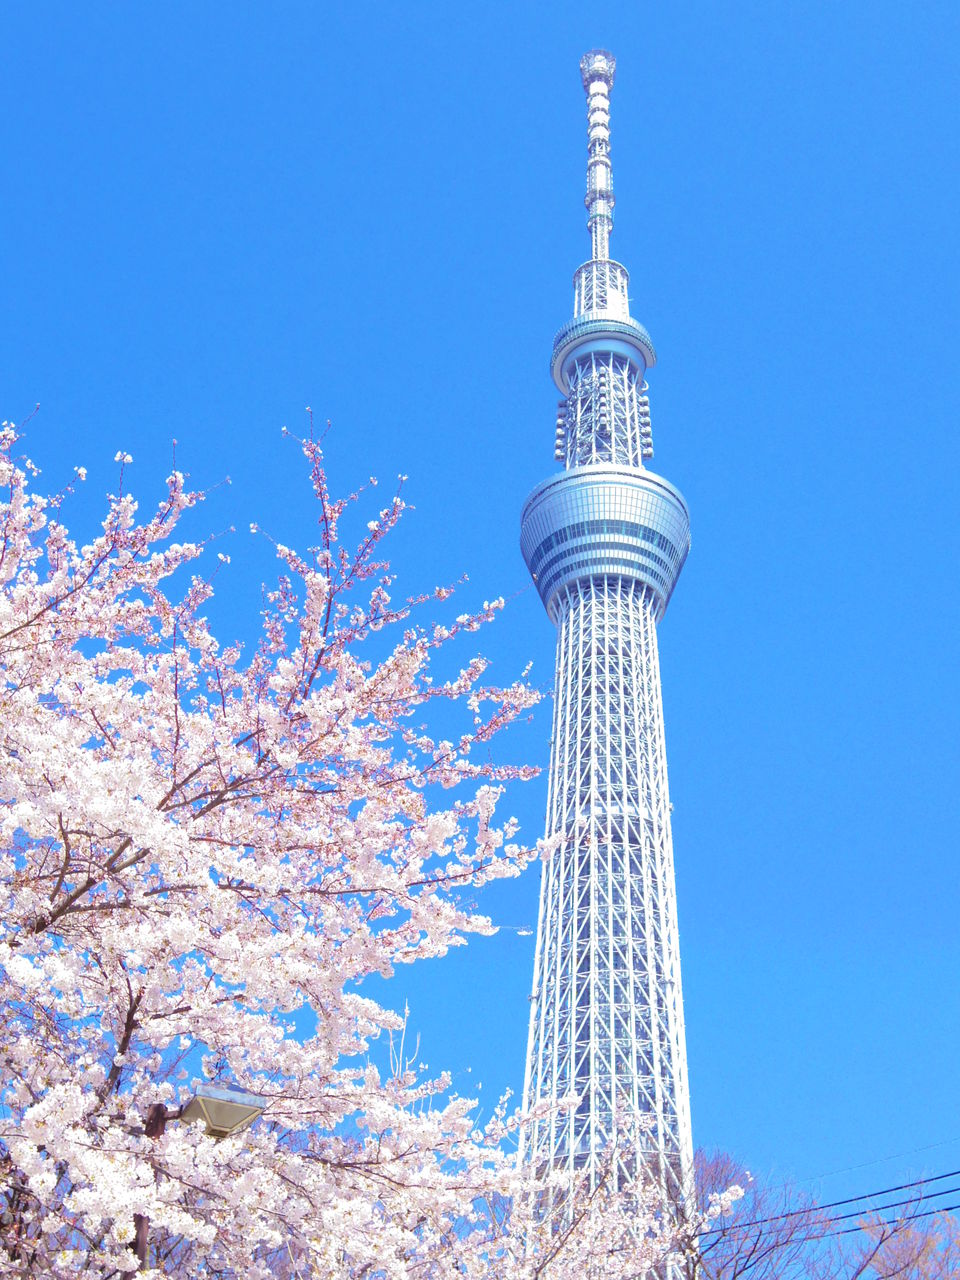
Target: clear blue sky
<point>217,214</point>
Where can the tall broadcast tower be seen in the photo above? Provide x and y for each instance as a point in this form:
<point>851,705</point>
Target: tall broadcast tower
<point>605,540</point>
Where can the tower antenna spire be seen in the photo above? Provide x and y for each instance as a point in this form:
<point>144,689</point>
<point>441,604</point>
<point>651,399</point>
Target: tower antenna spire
<point>597,70</point>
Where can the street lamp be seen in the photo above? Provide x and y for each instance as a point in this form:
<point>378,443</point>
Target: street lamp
<point>222,1110</point>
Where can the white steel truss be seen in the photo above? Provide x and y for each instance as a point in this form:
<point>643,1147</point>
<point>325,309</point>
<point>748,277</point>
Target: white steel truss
<point>606,1027</point>
<point>606,417</point>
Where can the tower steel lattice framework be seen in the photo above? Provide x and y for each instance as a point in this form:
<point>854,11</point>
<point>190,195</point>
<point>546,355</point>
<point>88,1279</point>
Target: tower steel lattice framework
<point>605,540</point>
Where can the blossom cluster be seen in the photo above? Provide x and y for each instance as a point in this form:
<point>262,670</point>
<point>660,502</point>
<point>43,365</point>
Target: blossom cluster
<point>203,854</point>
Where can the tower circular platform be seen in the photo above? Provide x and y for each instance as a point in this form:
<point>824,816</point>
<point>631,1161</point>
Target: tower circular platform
<point>594,521</point>
<point>584,334</point>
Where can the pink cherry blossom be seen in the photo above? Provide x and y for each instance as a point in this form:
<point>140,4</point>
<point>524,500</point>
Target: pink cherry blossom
<point>203,853</point>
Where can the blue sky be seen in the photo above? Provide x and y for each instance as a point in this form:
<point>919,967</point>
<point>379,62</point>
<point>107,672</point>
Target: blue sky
<point>215,215</point>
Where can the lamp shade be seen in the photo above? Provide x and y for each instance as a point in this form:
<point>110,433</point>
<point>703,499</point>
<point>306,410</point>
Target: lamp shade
<point>223,1110</point>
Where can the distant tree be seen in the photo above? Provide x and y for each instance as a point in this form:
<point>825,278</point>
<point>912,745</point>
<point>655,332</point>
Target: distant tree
<point>920,1248</point>
<point>769,1233</point>
<point>779,1233</point>
<point>203,854</point>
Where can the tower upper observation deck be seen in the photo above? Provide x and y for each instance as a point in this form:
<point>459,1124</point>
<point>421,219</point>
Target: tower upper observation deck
<point>607,514</point>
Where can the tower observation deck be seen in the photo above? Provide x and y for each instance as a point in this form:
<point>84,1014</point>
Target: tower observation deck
<point>605,540</point>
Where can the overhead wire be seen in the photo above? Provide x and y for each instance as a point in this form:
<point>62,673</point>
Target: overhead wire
<point>846,1231</point>
<point>858,1213</point>
<point>870,1164</point>
<point>719,1232</point>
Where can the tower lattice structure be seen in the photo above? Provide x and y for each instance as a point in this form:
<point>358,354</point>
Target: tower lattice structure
<point>605,540</point>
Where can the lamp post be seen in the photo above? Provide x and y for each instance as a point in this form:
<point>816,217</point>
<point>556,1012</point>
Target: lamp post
<point>222,1110</point>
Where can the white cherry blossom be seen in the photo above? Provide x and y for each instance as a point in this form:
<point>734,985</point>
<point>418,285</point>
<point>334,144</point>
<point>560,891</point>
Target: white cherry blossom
<point>203,853</point>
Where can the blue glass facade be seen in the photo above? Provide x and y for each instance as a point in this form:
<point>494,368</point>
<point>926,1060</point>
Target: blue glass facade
<point>597,521</point>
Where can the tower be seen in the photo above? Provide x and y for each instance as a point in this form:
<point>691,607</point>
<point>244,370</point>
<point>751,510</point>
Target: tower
<point>605,540</point>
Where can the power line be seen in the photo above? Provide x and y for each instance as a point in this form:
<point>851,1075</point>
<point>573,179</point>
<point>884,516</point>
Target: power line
<point>846,1231</point>
<point>838,1204</point>
<point>914,1217</point>
<point>894,1204</point>
<point>869,1164</point>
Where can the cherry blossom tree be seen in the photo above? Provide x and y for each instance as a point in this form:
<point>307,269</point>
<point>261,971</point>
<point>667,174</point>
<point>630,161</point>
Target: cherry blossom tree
<point>203,854</point>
